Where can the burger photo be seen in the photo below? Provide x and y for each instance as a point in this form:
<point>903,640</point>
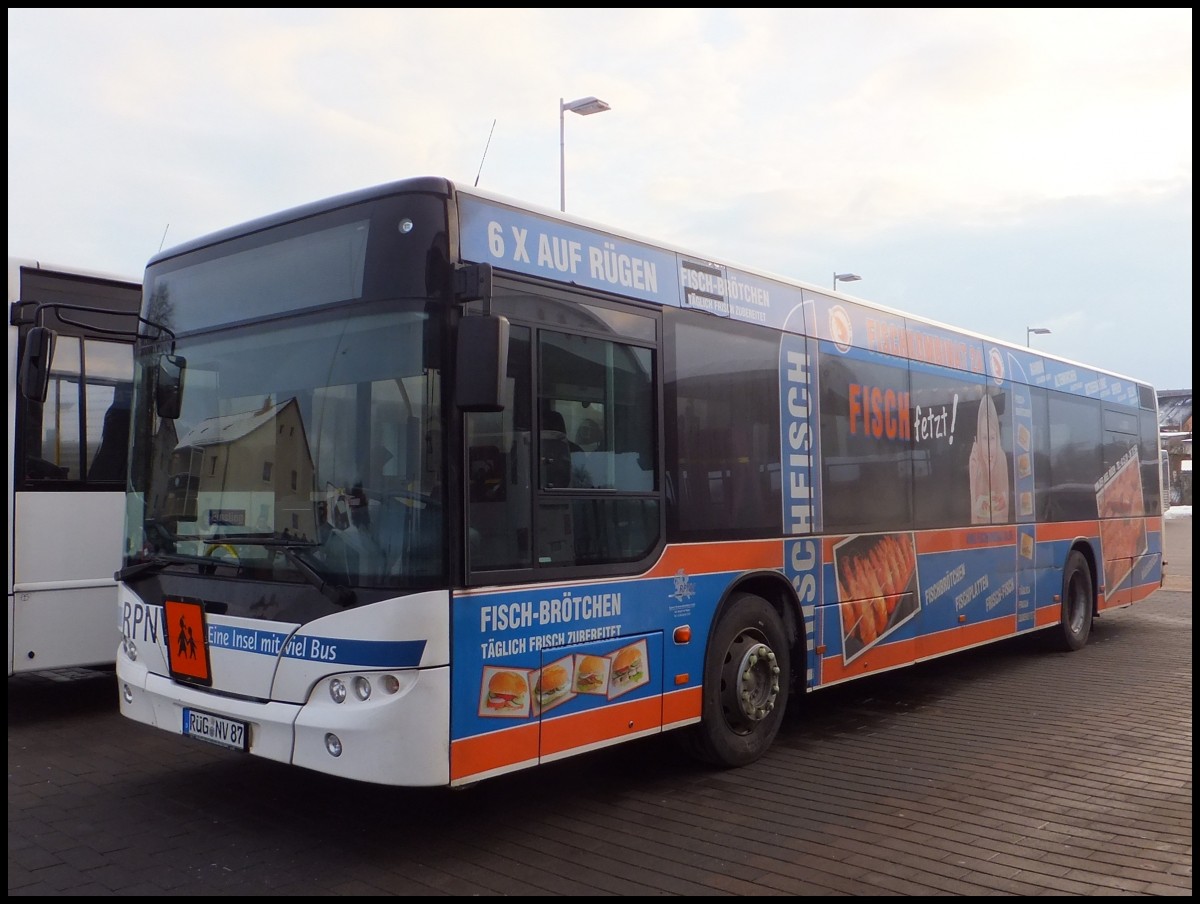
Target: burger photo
<point>551,685</point>
<point>627,668</point>
<point>507,692</point>
<point>591,674</point>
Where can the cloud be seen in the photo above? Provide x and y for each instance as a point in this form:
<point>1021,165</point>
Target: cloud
<point>901,144</point>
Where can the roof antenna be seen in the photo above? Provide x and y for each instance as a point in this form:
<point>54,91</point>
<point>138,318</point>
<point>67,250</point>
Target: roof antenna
<point>485,150</point>
<point>164,238</point>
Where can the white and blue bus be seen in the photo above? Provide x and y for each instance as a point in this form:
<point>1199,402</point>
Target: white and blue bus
<point>429,485</point>
<point>67,455</point>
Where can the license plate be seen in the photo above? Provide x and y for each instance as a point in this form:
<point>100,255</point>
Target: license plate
<point>216,730</point>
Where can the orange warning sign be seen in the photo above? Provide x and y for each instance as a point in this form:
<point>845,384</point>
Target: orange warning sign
<point>187,649</point>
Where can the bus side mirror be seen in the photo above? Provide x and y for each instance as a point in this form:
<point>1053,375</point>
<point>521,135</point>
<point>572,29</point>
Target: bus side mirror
<point>34,374</point>
<point>481,363</point>
<point>168,386</point>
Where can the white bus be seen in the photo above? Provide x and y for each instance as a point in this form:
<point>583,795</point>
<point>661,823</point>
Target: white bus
<point>68,457</point>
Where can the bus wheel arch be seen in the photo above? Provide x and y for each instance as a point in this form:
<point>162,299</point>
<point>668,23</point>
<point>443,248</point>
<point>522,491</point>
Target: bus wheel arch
<point>747,676</point>
<point>1078,601</point>
<point>779,593</point>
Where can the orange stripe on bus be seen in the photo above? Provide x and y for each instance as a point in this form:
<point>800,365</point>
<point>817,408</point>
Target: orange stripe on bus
<point>605,723</point>
<point>1116,599</point>
<point>482,753</point>
<point>711,558</point>
<point>1067,530</point>
<point>880,657</point>
<point>692,558</point>
<point>981,536</point>
<point>969,635</point>
<point>982,632</point>
<point>891,655</point>
<point>939,541</point>
<point>1144,590</point>
<point>1045,616</point>
<point>682,705</point>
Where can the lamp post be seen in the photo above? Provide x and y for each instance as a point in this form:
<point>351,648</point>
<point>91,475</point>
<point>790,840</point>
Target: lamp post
<point>584,106</point>
<point>844,277</point>
<point>1034,330</point>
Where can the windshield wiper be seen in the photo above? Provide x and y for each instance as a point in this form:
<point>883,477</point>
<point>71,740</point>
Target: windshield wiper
<point>273,541</point>
<point>342,596</point>
<point>158,563</point>
<point>291,548</point>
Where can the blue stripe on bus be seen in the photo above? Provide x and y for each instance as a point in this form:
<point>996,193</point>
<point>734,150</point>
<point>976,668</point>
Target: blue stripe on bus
<point>382,653</point>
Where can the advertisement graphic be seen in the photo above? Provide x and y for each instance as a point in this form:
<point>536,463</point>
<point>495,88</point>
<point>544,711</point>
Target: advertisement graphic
<point>1026,577</point>
<point>555,651</point>
<point>877,588</point>
<point>553,684</point>
<point>988,469</point>
<point>528,242</point>
<point>591,674</point>
<point>629,670</point>
<point>505,693</point>
<point>798,419</point>
<point>1122,529</point>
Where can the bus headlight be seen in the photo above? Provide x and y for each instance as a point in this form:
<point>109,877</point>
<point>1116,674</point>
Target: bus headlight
<point>337,690</point>
<point>333,744</point>
<point>367,687</point>
<point>362,687</point>
<point>130,649</point>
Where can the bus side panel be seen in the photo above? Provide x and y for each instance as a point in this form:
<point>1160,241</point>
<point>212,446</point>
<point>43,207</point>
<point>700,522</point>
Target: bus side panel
<point>50,548</point>
<point>64,594</point>
<point>1147,574</point>
<point>1054,542</point>
<point>615,642</point>
<point>63,628</point>
<point>893,599</point>
<point>597,639</point>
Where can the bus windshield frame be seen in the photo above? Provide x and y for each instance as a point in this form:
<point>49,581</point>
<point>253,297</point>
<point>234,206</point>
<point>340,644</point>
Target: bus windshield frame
<point>308,444</point>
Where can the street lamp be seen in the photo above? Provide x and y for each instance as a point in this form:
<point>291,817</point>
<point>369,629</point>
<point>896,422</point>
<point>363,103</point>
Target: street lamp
<point>1034,330</point>
<point>844,277</point>
<point>585,106</point>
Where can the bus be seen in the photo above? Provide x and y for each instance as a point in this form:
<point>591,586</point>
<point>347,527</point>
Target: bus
<point>67,455</point>
<point>428,486</point>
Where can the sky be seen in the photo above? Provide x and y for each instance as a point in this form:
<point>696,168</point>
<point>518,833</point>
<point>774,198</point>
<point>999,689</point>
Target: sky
<point>991,169</point>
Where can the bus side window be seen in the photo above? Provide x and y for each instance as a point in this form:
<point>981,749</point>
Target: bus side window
<point>109,461</point>
<point>52,441</point>
<point>556,450</point>
<point>501,453</point>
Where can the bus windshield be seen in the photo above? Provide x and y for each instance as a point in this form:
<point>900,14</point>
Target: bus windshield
<point>304,447</point>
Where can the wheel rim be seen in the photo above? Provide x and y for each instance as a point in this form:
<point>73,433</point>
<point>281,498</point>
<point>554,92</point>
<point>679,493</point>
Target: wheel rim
<point>1077,604</point>
<point>749,682</point>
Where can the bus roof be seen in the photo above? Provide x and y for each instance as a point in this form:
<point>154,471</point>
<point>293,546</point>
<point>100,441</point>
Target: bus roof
<point>451,190</point>
<point>16,264</point>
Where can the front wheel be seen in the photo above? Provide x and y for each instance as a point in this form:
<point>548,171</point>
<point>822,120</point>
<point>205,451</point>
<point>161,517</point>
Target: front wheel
<point>1078,604</point>
<point>746,682</point>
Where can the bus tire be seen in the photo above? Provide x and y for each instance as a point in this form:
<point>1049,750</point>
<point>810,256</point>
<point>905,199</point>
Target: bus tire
<point>746,683</point>
<point>1078,604</point>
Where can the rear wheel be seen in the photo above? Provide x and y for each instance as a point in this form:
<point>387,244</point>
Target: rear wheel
<point>1078,604</point>
<point>746,679</point>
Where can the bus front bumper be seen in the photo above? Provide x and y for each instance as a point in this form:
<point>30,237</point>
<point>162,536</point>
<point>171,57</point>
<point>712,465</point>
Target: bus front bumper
<point>398,736</point>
